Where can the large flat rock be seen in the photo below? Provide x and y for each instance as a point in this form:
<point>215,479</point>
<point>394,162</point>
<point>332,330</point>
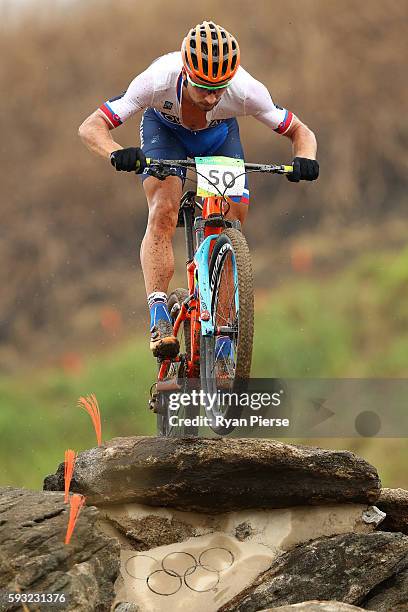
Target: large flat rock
<point>218,475</point>
<point>34,558</point>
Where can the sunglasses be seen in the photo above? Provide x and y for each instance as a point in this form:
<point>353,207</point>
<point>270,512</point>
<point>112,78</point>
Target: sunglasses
<point>209,87</point>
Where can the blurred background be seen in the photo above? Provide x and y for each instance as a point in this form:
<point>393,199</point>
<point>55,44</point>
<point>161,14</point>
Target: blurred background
<point>330,258</point>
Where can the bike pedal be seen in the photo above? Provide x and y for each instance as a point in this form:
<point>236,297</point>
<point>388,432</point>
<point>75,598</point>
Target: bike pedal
<point>153,404</point>
<point>174,311</point>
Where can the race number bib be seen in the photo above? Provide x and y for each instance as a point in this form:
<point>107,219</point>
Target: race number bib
<point>218,176</point>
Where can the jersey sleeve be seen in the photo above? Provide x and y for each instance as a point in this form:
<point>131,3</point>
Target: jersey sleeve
<point>259,104</point>
<point>138,96</point>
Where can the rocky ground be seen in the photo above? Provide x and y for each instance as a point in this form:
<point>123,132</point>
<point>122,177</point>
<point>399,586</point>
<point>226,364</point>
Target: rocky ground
<point>209,525</point>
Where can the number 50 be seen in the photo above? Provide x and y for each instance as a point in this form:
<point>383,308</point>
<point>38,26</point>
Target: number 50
<point>227,177</point>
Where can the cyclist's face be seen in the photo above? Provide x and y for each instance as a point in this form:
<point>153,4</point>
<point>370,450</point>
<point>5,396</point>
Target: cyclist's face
<point>205,99</point>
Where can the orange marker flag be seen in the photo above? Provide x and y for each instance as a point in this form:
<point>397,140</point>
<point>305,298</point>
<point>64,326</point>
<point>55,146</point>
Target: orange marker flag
<point>90,404</point>
<point>76,502</point>
<point>70,458</point>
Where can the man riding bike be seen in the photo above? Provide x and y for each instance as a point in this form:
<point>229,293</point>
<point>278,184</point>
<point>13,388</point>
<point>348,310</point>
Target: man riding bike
<point>190,102</point>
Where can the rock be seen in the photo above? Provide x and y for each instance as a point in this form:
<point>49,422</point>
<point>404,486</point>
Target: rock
<point>392,594</point>
<point>241,544</point>
<point>344,568</point>
<point>394,502</point>
<point>150,531</point>
<point>34,558</point>
<point>243,531</point>
<point>140,527</point>
<point>315,606</point>
<point>373,516</point>
<point>218,475</point>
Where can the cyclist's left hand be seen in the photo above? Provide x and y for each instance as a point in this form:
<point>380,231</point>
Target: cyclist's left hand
<point>304,169</point>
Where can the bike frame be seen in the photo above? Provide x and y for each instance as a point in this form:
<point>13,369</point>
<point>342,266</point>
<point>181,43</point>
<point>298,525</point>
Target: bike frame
<point>197,308</point>
<point>206,227</point>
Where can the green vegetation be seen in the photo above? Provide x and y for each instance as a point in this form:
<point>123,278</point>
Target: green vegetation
<point>39,418</point>
<point>351,324</point>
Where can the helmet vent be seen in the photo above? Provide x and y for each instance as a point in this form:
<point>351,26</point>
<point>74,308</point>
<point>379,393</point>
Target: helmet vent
<point>204,47</point>
<point>195,61</point>
<point>193,44</point>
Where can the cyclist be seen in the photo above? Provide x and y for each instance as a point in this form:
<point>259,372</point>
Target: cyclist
<point>190,102</point>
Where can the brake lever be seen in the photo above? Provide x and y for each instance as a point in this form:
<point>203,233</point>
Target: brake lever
<point>161,172</point>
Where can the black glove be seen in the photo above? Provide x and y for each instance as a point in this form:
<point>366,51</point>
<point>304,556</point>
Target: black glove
<point>131,160</point>
<point>304,169</point>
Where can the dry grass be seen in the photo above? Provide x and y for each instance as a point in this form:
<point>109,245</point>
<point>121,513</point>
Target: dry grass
<point>71,227</point>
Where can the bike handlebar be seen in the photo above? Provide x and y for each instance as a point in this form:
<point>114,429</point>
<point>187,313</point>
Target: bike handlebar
<point>270,168</point>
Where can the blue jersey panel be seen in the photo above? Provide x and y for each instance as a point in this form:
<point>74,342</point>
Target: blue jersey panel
<point>162,139</point>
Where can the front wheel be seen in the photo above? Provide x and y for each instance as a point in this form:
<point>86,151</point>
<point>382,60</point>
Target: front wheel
<point>226,357</point>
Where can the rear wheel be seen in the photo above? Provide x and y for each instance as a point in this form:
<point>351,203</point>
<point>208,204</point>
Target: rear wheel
<point>226,371</point>
<point>175,379</point>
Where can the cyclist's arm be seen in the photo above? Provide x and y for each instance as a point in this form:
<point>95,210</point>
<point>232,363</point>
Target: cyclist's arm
<point>303,139</point>
<point>260,105</point>
<point>95,130</point>
<point>95,134</point>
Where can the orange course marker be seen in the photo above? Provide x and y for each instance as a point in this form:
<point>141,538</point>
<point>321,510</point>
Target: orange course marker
<point>76,502</point>
<point>90,403</point>
<point>70,458</point>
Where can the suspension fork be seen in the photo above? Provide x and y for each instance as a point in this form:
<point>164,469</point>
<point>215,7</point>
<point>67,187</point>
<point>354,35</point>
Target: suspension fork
<point>190,228</point>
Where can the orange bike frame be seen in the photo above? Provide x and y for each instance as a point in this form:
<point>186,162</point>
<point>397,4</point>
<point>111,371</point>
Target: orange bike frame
<point>212,206</point>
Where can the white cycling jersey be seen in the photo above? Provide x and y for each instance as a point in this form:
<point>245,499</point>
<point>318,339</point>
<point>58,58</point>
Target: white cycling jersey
<point>160,87</point>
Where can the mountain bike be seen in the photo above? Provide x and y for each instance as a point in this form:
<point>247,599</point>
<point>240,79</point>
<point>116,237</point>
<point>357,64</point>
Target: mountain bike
<point>216,309</point>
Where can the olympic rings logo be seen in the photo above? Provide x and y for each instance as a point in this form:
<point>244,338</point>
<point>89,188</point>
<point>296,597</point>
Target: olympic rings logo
<point>181,568</point>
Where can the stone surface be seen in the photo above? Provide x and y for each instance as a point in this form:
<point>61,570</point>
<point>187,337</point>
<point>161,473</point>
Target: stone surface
<point>218,475</point>
<point>199,574</point>
<point>395,503</point>
<point>141,527</point>
<point>34,558</point>
<point>254,537</point>
<point>392,594</point>
<point>315,606</point>
<point>344,568</point>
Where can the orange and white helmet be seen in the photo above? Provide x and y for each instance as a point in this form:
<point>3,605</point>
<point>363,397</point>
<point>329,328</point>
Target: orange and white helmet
<point>210,54</point>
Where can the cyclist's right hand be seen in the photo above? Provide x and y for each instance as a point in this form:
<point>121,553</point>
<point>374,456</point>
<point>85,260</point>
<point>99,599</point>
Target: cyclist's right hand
<point>129,160</point>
